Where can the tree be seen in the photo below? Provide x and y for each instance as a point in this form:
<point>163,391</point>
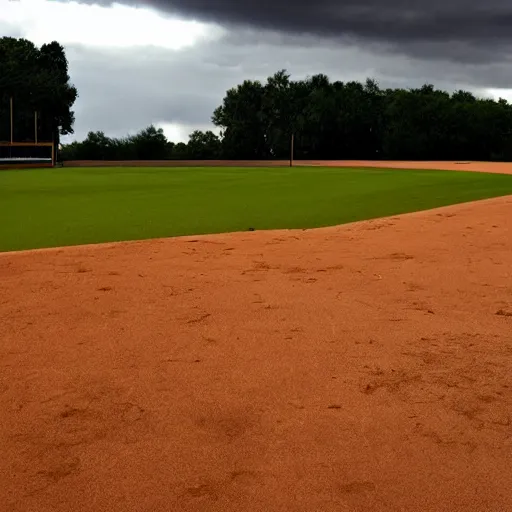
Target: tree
<point>149,144</point>
<point>36,79</point>
<point>181,151</point>
<point>240,118</point>
<point>204,145</point>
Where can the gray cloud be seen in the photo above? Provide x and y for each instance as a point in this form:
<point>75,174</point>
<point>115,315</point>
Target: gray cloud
<point>470,30</point>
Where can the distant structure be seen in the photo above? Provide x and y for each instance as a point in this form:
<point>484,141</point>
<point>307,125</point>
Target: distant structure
<point>21,147</point>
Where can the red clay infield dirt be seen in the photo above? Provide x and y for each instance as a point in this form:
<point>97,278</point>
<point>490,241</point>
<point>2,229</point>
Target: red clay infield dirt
<point>365,367</point>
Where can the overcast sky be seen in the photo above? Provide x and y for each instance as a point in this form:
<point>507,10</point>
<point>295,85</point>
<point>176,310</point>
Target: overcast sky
<point>170,62</point>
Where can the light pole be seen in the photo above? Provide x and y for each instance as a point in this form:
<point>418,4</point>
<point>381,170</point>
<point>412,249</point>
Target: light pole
<point>12,123</point>
<point>291,150</point>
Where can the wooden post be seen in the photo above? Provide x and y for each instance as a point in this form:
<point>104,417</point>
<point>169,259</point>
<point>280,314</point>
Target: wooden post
<point>53,149</point>
<point>35,126</point>
<point>12,124</point>
<point>291,151</point>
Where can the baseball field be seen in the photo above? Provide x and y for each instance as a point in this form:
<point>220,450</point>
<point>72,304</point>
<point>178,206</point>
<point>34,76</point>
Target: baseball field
<point>256,363</point>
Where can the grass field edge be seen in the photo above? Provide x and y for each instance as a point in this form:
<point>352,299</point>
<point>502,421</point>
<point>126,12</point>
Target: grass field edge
<point>246,232</point>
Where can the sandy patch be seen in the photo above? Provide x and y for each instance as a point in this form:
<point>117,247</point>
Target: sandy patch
<point>362,367</point>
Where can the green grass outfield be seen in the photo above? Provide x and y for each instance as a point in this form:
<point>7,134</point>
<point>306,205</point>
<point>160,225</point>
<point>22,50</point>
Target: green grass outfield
<point>68,206</point>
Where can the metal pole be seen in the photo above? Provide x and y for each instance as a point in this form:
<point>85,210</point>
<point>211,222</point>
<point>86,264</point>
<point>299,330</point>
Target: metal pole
<point>291,151</point>
<point>53,148</point>
<point>35,126</point>
<point>12,133</point>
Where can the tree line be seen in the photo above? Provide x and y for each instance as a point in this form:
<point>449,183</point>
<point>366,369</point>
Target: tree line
<point>328,119</point>
<point>148,144</point>
<point>352,120</point>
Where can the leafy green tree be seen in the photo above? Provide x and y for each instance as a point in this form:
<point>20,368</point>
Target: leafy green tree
<point>149,144</point>
<point>36,79</point>
<point>204,145</point>
<point>240,119</point>
<point>336,120</point>
<point>181,152</point>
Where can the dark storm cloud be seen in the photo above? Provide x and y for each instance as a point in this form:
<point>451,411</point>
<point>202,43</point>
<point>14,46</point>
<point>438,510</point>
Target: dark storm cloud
<point>453,28</point>
<point>380,19</point>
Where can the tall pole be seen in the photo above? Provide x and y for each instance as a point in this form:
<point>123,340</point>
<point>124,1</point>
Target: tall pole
<point>53,147</point>
<point>291,151</point>
<point>12,132</point>
<point>35,126</point>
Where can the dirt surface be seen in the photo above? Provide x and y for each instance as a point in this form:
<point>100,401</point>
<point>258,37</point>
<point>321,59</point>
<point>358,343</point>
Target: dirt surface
<point>495,167</point>
<point>359,368</point>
